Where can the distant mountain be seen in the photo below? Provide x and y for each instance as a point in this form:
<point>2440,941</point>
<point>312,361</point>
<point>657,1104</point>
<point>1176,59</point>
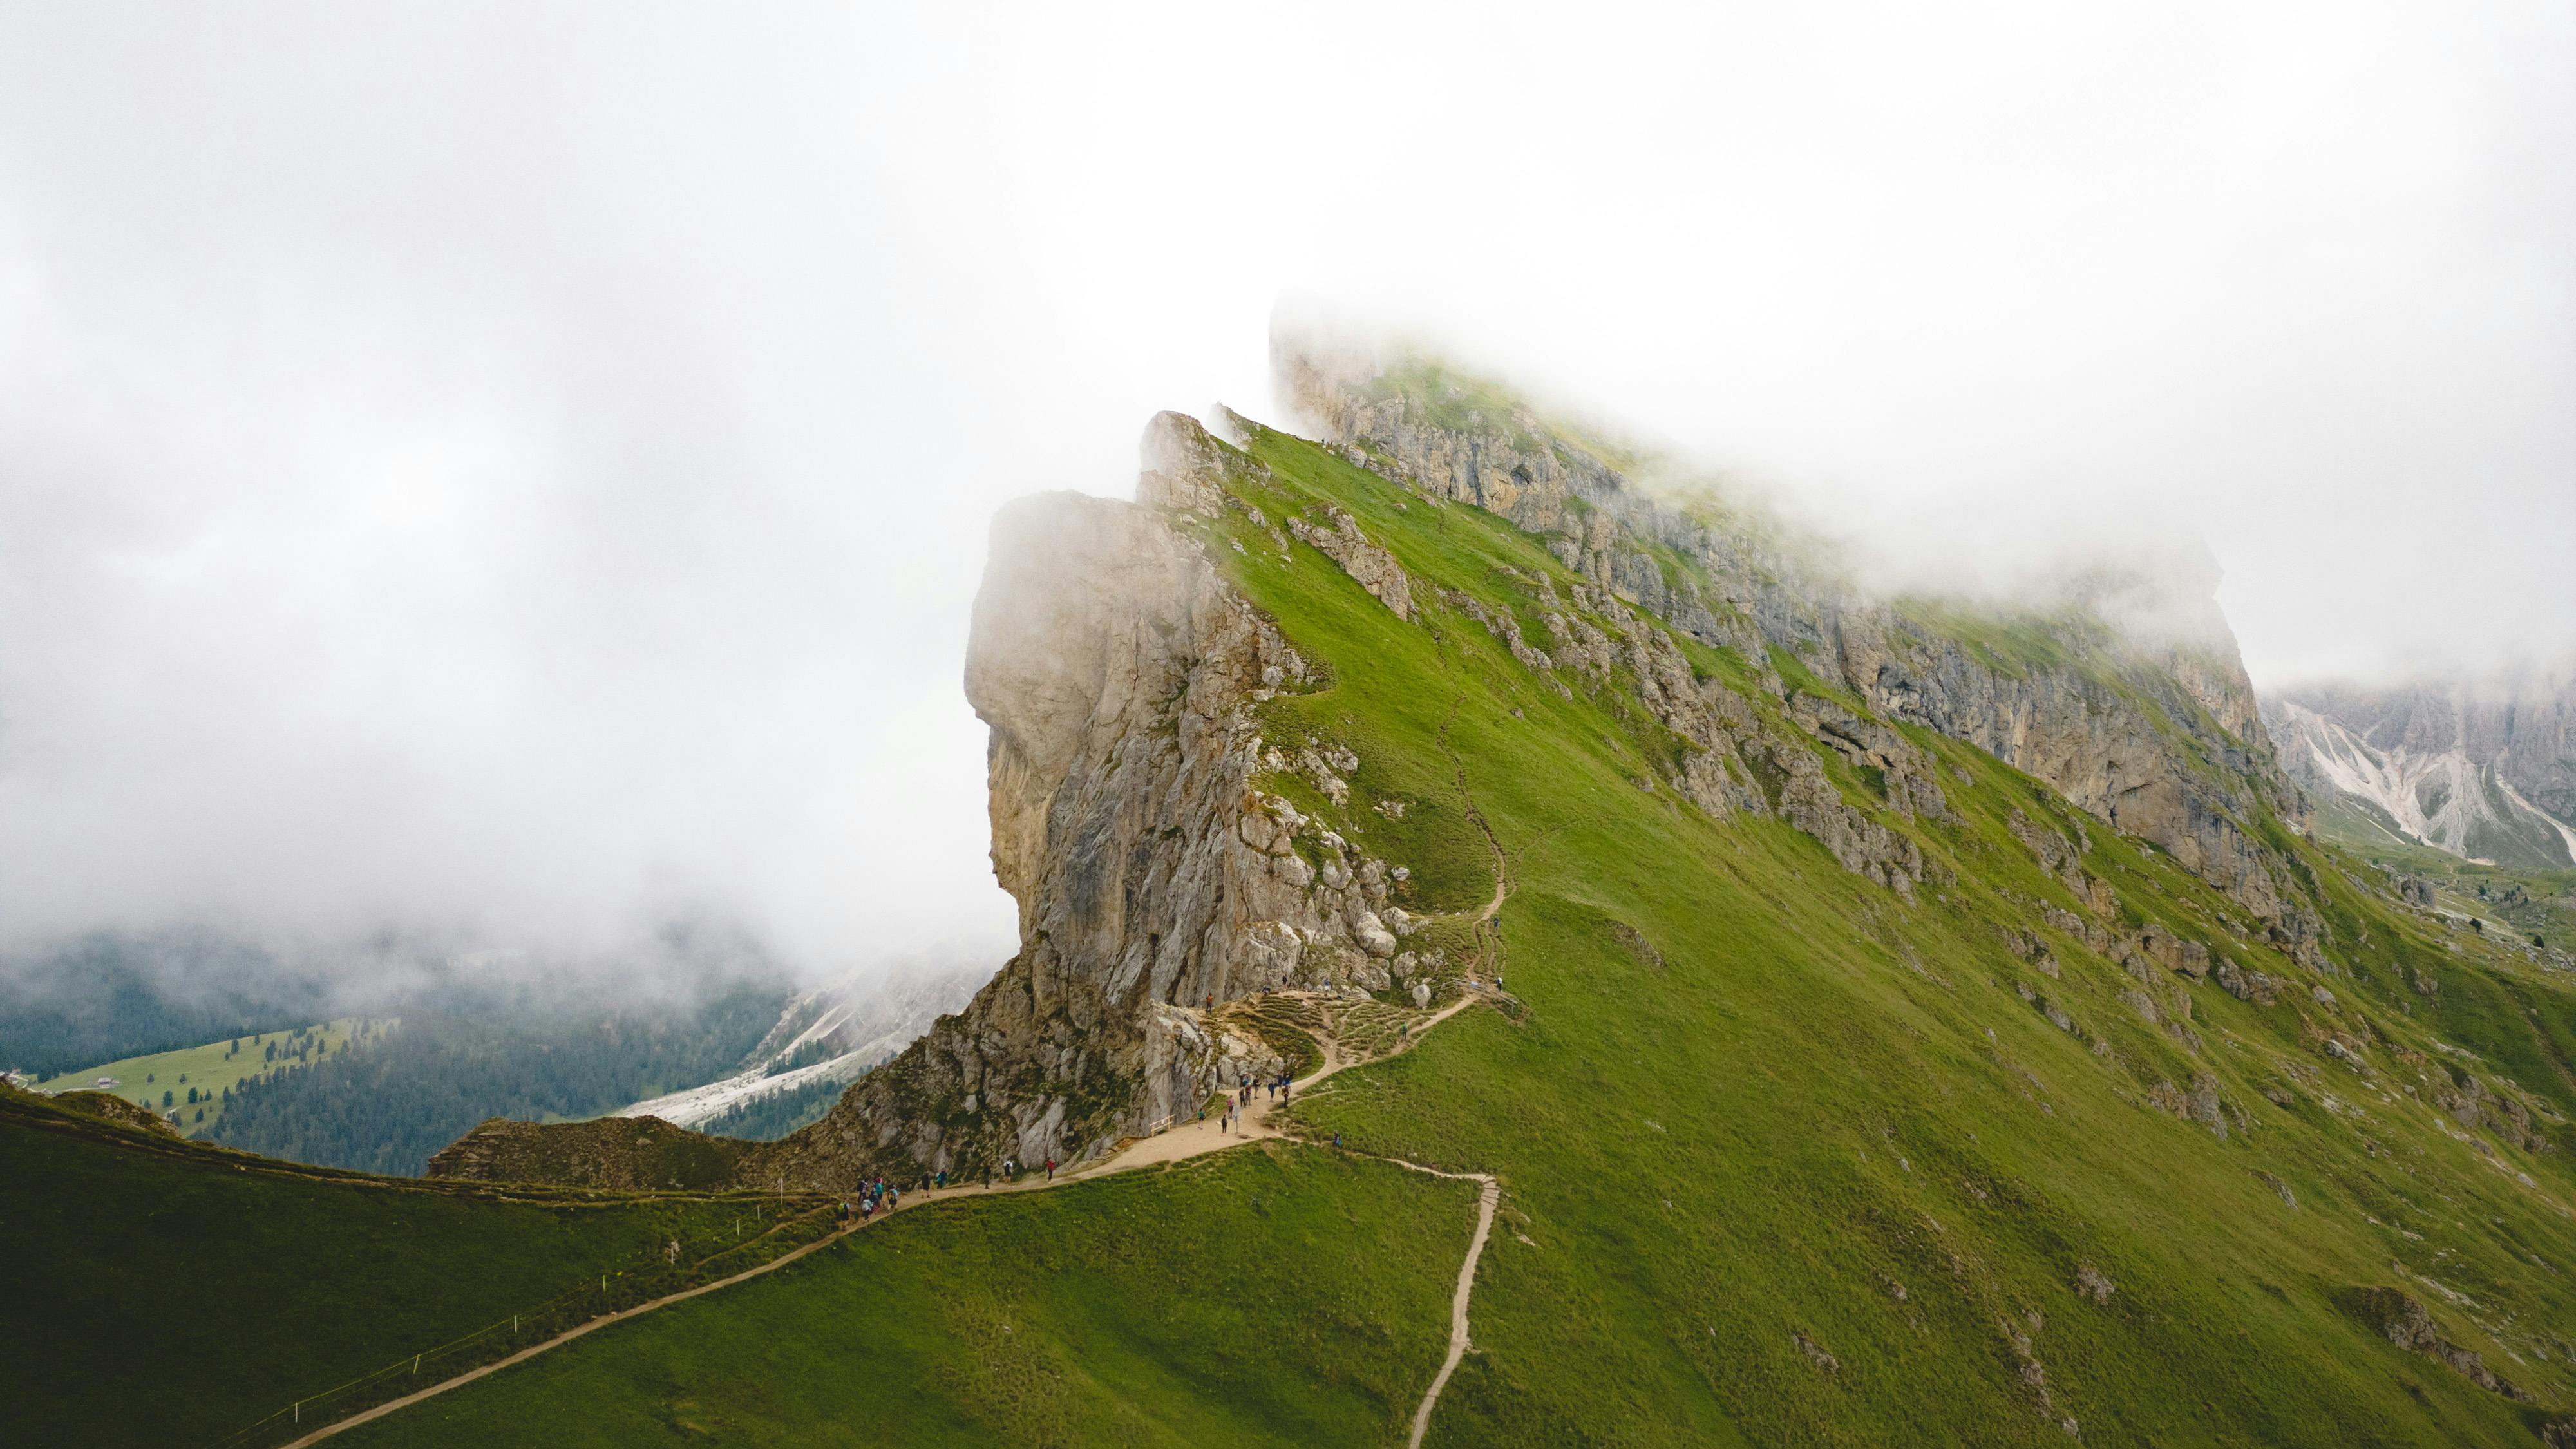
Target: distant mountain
<point>469,1036</point>
<point>2485,774</point>
<point>827,1038</point>
<point>463,1055</point>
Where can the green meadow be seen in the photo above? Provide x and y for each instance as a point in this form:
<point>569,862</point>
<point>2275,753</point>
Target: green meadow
<point>188,1086</point>
<point>167,1292</point>
<point>1274,1295</point>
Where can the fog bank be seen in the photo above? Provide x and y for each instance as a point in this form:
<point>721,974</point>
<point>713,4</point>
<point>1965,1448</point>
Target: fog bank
<point>520,473</point>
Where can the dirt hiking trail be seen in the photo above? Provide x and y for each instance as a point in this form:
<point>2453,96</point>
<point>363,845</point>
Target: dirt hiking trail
<point>1177,1143</point>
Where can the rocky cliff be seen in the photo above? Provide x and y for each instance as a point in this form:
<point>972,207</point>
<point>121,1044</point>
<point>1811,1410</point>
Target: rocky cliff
<point>1114,668</point>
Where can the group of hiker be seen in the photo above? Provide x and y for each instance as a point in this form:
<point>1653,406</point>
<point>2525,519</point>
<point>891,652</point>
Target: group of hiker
<point>1011,1171</point>
<point>874,1193</point>
<point>878,1193</point>
<point>1276,1088</point>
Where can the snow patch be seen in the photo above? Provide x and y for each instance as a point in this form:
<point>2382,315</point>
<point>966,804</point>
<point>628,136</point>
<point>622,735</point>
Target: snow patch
<point>862,1021</point>
<point>701,1104</point>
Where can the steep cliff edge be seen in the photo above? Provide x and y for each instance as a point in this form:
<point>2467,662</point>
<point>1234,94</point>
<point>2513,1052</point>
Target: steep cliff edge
<point>1114,668</point>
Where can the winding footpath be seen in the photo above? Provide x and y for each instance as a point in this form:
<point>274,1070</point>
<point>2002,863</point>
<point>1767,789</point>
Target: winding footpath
<point>1178,1143</point>
<point>567,1336</point>
<point>1486,1202</point>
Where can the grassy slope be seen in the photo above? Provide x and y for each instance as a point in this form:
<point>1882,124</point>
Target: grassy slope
<point>213,1068</point>
<point>1811,1113</point>
<point>1802,1106</point>
<point>164,1294</point>
<point>2548,912</point>
<point>1277,1295</point>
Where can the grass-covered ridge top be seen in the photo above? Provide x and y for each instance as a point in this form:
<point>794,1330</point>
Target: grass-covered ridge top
<point>2016,982</point>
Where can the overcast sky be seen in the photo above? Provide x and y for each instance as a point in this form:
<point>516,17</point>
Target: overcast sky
<point>524,469</point>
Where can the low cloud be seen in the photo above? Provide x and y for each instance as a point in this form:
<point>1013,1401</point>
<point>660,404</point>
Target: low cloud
<point>521,475</point>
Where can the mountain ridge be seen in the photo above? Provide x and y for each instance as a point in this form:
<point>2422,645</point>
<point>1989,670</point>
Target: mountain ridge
<point>1839,1080</point>
<point>1121,674</point>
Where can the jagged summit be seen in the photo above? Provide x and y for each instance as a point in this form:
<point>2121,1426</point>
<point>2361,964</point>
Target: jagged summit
<point>1419,415</point>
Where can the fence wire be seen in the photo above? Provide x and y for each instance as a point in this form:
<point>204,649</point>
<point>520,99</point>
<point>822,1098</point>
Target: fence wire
<point>612,1292</point>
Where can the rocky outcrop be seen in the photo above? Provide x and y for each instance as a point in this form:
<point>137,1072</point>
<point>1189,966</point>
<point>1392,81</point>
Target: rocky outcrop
<point>1115,668</point>
<point>618,1154</point>
<point>2405,1323</point>
<point>2154,731</point>
<point>1373,567</point>
<point>1737,760</point>
<point>1154,881</point>
<point>2247,984</point>
<point>1181,466</point>
<point>1809,802</point>
<point>2093,1284</point>
<point>1507,630</point>
<point>2472,1103</point>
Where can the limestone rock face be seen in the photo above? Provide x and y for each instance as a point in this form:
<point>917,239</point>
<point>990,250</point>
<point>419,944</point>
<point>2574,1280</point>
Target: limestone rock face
<point>1108,661</point>
<point>1113,666</point>
<point>1183,466</point>
<point>2410,1327</point>
<point>1374,568</point>
<point>2155,730</point>
<point>2184,789</point>
<point>2522,728</point>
